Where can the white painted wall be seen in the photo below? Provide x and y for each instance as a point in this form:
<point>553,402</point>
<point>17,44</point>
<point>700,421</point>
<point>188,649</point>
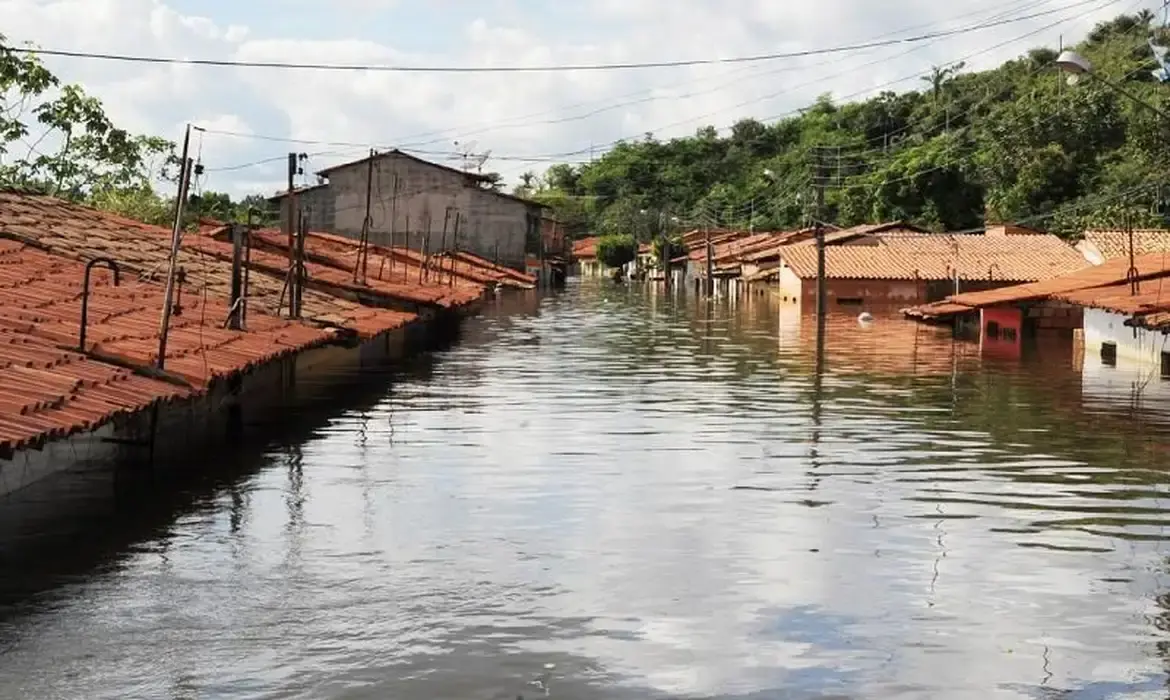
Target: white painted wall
<point>1136,347</point>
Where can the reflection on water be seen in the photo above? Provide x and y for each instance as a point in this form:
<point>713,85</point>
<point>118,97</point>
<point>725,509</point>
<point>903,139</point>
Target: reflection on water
<point>610,494</point>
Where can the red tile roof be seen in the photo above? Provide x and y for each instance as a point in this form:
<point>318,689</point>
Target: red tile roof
<point>1102,286</point>
<point>934,257</point>
<point>1152,296</point>
<point>48,393</point>
<point>331,259</point>
<point>503,272</point>
<point>1112,243</point>
<point>40,296</point>
<point>83,233</point>
<point>586,247</point>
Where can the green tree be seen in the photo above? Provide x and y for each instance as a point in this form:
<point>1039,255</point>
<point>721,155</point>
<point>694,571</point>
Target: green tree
<point>1009,144</point>
<point>616,250</point>
<point>56,139</point>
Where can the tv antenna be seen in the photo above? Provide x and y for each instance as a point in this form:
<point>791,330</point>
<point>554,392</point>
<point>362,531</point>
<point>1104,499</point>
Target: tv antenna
<point>472,161</point>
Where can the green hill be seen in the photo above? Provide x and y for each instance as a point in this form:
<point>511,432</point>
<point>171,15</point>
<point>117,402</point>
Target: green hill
<point>1011,144</point>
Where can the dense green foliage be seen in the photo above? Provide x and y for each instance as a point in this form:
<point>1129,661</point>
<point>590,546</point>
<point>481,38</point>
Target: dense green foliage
<point>1011,144</point>
<point>55,139</point>
<point>616,249</point>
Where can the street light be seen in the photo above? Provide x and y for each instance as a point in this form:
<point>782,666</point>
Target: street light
<point>1077,65</point>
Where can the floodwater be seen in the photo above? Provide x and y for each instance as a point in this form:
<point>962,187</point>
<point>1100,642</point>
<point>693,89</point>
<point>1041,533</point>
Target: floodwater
<point>605,494</point>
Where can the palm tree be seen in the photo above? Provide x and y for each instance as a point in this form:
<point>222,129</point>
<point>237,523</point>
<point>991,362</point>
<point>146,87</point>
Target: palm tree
<point>940,76</point>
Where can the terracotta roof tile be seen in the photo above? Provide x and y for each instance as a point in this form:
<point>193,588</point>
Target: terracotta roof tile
<point>1111,272</point>
<point>586,247</point>
<point>40,295</point>
<point>331,259</point>
<point>934,257</point>
<point>1114,243</point>
<point>82,233</point>
<point>48,393</point>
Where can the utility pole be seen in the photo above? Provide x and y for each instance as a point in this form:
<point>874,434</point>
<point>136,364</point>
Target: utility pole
<point>235,314</point>
<point>176,237</point>
<point>455,247</point>
<point>364,244</point>
<point>291,204</point>
<point>818,209</point>
<point>710,265</point>
<point>299,268</point>
<point>394,222</point>
<point>443,235</point>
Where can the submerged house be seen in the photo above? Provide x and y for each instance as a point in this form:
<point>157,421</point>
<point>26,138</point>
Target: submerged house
<point>421,205</point>
<point>895,266</point>
<point>1099,245</point>
<point>584,257</point>
<point>88,387</point>
<point>1124,314</point>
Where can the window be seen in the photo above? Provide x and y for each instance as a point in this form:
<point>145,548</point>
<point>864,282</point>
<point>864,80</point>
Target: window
<point>1165,365</point>
<point>992,330</point>
<point>849,301</point>
<point>1109,354</point>
<point>1009,334</point>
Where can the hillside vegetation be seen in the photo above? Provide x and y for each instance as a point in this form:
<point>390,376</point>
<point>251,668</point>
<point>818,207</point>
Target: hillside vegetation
<point>1011,144</point>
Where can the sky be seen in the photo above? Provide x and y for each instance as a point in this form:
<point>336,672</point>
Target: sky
<point>524,121</point>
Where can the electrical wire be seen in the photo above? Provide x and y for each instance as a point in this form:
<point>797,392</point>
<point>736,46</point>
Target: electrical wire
<point>563,68</point>
<point>560,157</point>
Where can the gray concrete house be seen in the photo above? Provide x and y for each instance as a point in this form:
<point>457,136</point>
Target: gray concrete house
<point>414,202</point>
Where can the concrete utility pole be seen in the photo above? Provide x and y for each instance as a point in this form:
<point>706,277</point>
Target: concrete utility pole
<point>818,213</point>
<point>291,205</point>
<point>173,257</point>
<point>364,245</point>
<point>710,265</point>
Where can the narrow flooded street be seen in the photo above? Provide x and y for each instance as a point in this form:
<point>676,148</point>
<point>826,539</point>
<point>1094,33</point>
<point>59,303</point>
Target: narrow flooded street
<point>610,494</point>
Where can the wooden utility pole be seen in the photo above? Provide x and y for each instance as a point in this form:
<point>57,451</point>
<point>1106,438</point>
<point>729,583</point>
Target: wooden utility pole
<point>173,257</point>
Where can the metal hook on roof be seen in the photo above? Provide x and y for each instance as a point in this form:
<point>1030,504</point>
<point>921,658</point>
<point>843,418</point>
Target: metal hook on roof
<point>108,262</point>
<point>990,268</point>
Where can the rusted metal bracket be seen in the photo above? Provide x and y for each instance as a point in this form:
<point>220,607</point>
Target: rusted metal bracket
<point>108,262</point>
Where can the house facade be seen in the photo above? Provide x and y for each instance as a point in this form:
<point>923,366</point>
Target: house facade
<point>896,270</point>
<point>421,205</point>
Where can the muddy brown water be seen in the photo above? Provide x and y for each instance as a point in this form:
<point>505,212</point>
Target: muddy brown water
<point>609,494</point>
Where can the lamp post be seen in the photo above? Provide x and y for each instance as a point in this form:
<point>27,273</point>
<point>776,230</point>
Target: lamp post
<point>1077,65</point>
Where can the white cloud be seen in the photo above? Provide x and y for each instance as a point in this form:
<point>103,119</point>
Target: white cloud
<point>514,114</point>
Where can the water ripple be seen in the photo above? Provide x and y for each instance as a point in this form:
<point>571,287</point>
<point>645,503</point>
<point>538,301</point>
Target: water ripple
<point>611,494</point>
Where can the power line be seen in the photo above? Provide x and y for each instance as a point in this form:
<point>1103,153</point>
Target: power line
<point>998,12</point>
<point>565,155</point>
<point>563,68</point>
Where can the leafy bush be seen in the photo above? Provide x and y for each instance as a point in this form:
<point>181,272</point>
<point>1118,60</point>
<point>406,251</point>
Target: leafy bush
<point>616,250</point>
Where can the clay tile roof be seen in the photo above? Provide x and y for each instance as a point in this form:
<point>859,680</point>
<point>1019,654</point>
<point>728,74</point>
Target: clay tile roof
<point>1119,298</point>
<point>48,393</point>
<point>48,387</point>
<point>934,257</point>
<point>83,233</point>
<point>393,273</point>
<point>586,247</point>
<point>1115,243</point>
<point>1109,273</point>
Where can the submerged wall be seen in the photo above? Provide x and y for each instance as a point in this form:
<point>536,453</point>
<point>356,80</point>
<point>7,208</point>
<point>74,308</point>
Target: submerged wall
<point>230,411</point>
